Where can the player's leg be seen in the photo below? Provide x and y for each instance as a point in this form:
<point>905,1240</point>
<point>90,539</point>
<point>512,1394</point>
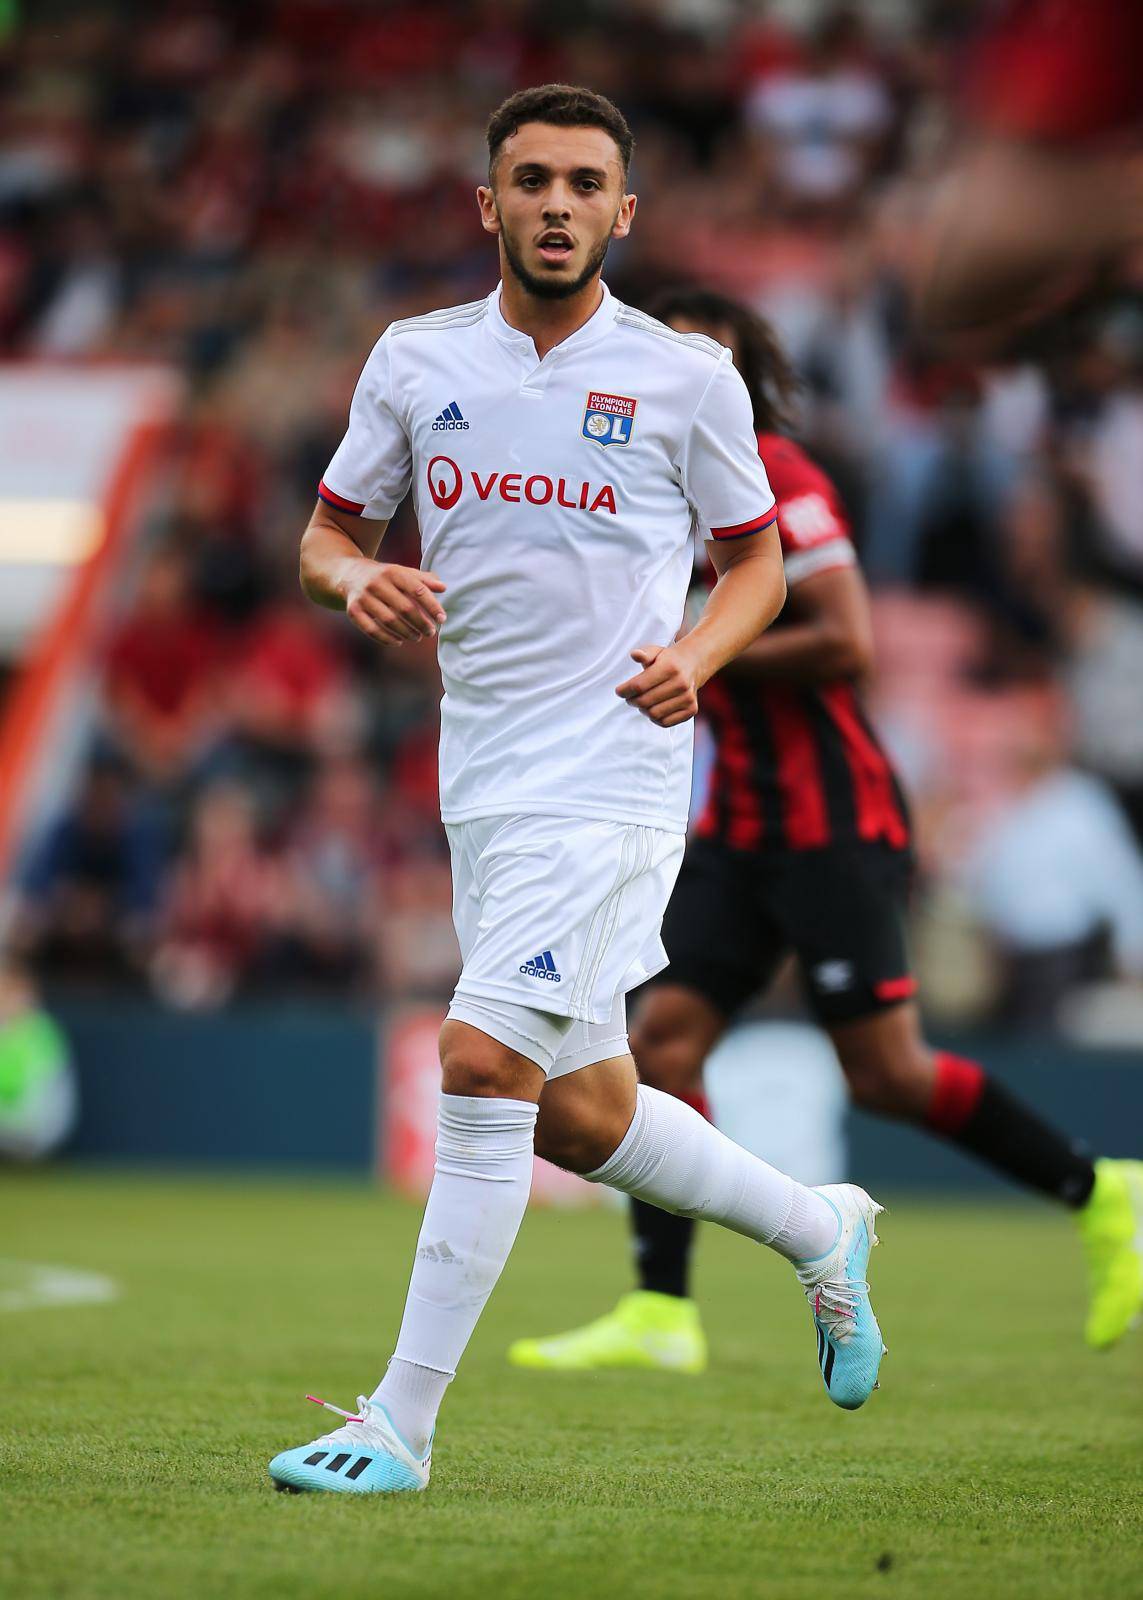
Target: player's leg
<point>481,1181</point>
<point>847,920</point>
<point>722,949</point>
<point>674,1028</point>
<point>494,1054</point>
<point>655,1325</point>
<point>725,947</point>
<point>893,1072</point>
<point>673,1158</point>
<point>602,1123</point>
<point>479,1192</point>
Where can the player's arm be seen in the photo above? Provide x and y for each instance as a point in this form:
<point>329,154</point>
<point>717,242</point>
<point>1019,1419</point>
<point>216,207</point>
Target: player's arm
<point>827,634</point>
<point>339,570</point>
<point>363,485</point>
<point>729,492</point>
<point>749,594</point>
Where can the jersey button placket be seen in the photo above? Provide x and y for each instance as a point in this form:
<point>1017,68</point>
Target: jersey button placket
<point>535,381</point>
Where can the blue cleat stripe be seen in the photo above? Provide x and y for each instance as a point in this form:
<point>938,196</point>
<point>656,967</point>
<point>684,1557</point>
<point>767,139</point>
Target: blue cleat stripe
<point>337,1463</point>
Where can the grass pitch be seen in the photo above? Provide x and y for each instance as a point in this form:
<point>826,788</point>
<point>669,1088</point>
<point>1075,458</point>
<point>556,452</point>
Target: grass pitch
<point>1000,1459</point>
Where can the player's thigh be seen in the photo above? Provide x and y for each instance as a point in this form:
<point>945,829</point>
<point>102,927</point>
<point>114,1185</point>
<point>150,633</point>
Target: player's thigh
<point>584,1115</point>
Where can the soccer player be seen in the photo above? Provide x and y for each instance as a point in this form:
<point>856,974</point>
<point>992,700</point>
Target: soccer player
<point>804,846</point>
<point>561,450</point>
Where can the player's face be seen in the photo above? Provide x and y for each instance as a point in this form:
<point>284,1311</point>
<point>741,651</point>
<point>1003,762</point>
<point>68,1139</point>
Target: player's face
<point>556,202</point>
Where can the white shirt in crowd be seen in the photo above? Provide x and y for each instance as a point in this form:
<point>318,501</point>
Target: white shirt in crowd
<point>1057,865</point>
<point>557,500</point>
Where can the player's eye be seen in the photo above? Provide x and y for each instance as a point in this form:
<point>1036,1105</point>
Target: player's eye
<point>588,183</point>
<point>530,180</point>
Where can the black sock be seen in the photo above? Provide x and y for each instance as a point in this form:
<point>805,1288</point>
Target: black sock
<point>662,1249</point>
<point>979,1115</point>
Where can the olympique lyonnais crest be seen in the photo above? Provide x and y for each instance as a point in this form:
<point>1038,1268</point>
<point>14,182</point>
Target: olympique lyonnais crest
<point>608,418</point>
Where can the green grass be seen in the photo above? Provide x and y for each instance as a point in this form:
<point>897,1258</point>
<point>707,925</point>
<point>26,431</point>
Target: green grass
<point>1000,1459</point>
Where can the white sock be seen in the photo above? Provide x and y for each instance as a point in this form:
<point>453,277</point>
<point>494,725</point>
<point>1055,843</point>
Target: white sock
<point>475,1207</point>
<point>674,1158</point>
<point>412,1396</point>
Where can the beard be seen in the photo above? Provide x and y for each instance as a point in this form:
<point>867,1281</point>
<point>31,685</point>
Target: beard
<point>552,288</point>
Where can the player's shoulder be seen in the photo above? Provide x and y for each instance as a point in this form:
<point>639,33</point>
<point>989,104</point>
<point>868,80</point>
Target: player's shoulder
<point>790,469</point>
<point>692,349</point>
<point>449,319</point>
<point>810,509</point>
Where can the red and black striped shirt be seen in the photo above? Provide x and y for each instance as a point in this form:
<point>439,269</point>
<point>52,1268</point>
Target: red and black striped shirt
<point>798,766</point>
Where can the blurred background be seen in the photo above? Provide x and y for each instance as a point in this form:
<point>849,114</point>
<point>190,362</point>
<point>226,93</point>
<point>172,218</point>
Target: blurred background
<point>225,889</point>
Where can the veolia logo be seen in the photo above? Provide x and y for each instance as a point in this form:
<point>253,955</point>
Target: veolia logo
<point>444,481</point>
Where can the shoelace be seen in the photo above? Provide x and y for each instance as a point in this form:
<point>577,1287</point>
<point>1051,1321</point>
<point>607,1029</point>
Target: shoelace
<point>356,1431</point>
<point>835,1303</point>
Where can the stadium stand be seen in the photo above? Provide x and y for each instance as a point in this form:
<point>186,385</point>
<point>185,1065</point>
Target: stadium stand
<point>248,195</point>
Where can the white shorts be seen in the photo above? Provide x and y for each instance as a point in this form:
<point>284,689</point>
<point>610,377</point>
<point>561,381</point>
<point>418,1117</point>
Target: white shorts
<point>560,914</point>
<point>558,1045</point>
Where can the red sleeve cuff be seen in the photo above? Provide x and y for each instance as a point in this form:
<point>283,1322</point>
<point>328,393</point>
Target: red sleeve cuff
<point>338,500</point>
<point>740,530</point>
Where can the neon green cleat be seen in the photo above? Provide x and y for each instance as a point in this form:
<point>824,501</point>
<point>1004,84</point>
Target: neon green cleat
<point>1111,1226</point>
<point>648,1330</point>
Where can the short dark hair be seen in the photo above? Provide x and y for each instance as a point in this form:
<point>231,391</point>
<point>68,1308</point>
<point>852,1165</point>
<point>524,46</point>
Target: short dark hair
<point>561,105</point>
<point>765,368</point>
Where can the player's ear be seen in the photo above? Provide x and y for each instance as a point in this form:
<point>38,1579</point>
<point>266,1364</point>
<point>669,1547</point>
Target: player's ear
<point>624,217</point>
<point>489,216</point>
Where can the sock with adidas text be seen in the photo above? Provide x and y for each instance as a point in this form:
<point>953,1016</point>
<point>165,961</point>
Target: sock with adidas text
<point>476,1204</point>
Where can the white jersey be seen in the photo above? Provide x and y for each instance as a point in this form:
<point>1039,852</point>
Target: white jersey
<point>557,500</point>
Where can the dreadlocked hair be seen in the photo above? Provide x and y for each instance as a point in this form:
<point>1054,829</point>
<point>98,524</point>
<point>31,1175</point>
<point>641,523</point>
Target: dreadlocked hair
<point>764,366</point>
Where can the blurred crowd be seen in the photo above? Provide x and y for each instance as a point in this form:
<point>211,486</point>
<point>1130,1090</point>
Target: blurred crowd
<point>251,193</point>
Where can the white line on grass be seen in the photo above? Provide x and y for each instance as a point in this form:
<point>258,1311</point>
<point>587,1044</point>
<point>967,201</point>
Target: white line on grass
<point>28,1285</point>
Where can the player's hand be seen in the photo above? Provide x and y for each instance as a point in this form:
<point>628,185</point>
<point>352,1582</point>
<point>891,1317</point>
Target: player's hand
<point>667,688</point>
<point>394,605</point>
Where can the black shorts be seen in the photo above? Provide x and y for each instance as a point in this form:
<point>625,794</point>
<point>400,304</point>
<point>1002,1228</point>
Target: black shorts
<point>735,915</point>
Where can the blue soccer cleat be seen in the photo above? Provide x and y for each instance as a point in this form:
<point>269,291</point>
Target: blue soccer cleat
<point>365,1456</point>
<point>850,1346</point>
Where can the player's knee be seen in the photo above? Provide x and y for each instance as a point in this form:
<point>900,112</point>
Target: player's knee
<point>867,1085</point>
<point>888,1085</point>
<point>474,1064</point>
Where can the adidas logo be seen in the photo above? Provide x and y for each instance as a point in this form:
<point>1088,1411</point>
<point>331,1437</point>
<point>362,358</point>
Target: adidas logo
<point>437,1252</point>
<point>450,420</point>
<point>542,967</point>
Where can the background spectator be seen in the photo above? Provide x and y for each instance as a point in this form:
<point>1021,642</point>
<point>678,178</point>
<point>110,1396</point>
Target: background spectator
<point>175,188</point>
<point>87,904</point>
